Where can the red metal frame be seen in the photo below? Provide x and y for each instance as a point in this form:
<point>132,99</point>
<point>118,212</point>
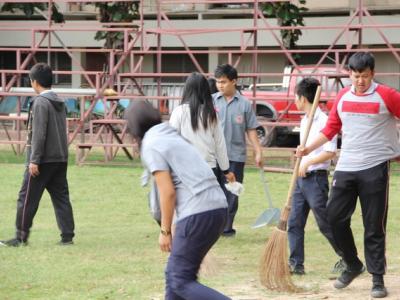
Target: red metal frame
<point>138,41</point>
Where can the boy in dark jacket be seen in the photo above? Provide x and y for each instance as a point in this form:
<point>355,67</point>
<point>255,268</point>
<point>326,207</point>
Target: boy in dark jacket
<point>47,158</point>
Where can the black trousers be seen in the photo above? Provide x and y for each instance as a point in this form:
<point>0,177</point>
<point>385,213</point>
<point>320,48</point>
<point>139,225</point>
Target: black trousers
<point>236,168</point>
<point>311,193</point>
<point>371,186</point>
<point>53,178</point>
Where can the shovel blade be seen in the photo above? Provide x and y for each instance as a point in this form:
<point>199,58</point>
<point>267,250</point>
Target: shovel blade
<point>268,217</point>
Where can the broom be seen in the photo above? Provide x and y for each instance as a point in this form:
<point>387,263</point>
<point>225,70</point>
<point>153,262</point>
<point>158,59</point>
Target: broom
<point>274,270</point>
<point>209,265</point>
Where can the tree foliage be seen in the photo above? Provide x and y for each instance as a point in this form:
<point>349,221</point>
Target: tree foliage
<point>109,12</point>
<point>287,14</point>
<point>29,9</point>
<point>115,12</point>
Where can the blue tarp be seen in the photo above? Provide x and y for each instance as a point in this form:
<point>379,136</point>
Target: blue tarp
<point>8,105</point>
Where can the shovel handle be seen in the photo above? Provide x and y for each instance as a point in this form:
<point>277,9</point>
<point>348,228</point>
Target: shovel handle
<point>302,144</point>
<point>266,190</point>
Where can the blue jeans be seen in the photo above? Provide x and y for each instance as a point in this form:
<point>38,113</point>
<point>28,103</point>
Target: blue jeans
<point>194,237</point>
<point>311,193</point>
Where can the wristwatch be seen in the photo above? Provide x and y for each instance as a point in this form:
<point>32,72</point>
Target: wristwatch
<point>165,232</point>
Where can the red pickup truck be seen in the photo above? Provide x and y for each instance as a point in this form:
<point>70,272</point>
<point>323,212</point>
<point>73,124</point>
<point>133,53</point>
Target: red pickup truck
<point>275,106</point>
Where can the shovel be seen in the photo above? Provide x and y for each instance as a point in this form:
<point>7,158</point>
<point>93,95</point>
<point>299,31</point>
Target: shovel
<point>272,214</point>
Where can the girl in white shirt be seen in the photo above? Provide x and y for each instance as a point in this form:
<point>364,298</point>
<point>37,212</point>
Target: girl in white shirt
<point>196,120</point>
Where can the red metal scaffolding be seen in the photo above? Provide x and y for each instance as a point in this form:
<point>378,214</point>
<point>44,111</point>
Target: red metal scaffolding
<point>125,73</point>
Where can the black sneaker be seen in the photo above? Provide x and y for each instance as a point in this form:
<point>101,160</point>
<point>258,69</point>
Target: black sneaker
<point>339,267</point>
<point>229,233</point>
<point>347,277</point>
<point>13,243</point>
<point>65,242</point>
<point>378,290</point>
<point>297,270</point>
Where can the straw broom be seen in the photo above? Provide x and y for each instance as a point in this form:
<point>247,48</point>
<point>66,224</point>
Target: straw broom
<point>274,269</point>
<point>209,266</point>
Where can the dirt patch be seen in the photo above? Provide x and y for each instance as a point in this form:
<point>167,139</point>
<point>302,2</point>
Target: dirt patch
<point>314,290</point>
<point>323,289</point>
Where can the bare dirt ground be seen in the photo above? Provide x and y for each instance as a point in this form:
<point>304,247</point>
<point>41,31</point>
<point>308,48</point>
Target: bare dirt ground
<point>323,289</point>
<point>314,290</point>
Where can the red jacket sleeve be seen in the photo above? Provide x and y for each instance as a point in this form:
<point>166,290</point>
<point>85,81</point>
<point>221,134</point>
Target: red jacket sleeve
<point>391,97</point>
<point>334,123</point>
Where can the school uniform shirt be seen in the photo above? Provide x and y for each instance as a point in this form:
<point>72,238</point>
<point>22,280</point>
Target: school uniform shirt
<point>236,116</point>
<point>197,189</point>
<point>318,124</point>
<point>368,124</point>
<point>210,142</point>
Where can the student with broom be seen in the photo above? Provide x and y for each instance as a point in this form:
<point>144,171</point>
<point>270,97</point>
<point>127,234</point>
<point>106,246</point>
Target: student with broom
<point>311,190</point>
<point>237,119</point>
<point>187,187</point>
<point>366,113</point>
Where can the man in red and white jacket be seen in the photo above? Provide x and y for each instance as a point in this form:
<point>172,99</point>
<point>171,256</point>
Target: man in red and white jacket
<point>366,114</point>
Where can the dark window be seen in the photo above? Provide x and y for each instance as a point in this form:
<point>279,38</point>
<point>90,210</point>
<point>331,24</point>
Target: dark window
<point>232,5</point>
<point>181,63</point>
<point>95,62</point>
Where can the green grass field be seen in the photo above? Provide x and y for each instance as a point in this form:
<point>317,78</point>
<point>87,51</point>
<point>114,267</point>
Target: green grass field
<point>116,255</point>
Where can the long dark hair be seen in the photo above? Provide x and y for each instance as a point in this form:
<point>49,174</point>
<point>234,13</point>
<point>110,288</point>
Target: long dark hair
<point>212,83</point>
<point>197,94</point>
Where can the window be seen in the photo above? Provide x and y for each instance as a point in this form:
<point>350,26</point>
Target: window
<point>181,63</point>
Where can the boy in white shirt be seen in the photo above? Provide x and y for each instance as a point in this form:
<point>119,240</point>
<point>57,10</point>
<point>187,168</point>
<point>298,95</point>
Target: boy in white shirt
<point>312,187</point>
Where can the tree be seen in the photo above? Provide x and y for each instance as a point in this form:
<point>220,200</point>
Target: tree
<point>109,12</point>
<point>29,9</point>
<point>115,12</point>
<point>287,14</point>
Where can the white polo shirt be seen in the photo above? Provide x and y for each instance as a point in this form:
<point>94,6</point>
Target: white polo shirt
<point>319,123</point>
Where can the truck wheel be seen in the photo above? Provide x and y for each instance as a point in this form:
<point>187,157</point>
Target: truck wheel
<point>266,134</point>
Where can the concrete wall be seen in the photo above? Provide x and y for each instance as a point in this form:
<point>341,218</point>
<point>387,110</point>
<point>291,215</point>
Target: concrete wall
<point>340,5</point>
<point>227,39</point>
<point>312,5</point>
<point>387,64</point>
<point>224,38</point>
<point>151,6</point>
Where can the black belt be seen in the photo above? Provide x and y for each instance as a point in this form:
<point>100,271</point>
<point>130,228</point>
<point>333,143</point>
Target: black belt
<point>317,172</point>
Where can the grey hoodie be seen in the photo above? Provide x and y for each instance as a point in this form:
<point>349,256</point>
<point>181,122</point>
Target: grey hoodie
<point>47,133</point>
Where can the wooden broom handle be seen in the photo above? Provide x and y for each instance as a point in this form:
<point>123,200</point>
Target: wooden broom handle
<point>302,144</point>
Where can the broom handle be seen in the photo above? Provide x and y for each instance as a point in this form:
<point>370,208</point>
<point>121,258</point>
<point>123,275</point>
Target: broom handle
<point>302,144</point>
